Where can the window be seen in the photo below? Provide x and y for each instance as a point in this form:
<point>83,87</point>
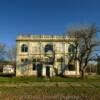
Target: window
<point>34,60</point>
<point>48,47</point>
<point>25,60</point>
<point>34,66</point>
<point>71,48</point>
<point>71,67</point>
<point>60,59</point>
<point>24,48</point>
<point>49,50</point>
<point>49,60</point>
<point>22,60</point>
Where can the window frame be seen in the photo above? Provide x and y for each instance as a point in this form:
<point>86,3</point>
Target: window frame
<point>24,48</point>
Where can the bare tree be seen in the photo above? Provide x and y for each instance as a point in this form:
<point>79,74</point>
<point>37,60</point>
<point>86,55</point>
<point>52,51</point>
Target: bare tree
<point>2,55</point>
<point>98,66</point>
<point>85,44</point>
<point>2,51</point>
<point>11,53</point>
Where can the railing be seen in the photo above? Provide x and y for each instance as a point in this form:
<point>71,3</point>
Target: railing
<point>29,36</point>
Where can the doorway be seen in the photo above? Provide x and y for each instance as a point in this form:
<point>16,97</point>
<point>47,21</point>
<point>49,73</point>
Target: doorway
<point>39,70</point>
<point>48,71</point>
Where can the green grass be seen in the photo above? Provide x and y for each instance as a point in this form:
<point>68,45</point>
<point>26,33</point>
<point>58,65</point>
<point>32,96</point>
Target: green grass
<point>55,88</point>
<point>32,79</point>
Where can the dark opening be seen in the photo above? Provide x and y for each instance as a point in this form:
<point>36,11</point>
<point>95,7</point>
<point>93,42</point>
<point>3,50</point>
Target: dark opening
<point>34,66</point>
<point>71,67</point>
<point>39,70</point>
<point>48,47</point>
<point>48,71</point>
<point>22,60</point>
<point>24,48</point>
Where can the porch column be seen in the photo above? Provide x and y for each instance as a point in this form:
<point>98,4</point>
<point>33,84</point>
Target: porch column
<point>44,71</point>
<point>77,68</point>
<point>51,71</point>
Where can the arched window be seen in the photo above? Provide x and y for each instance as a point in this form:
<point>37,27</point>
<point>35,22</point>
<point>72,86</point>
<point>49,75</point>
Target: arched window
<point>49,53</point>
<point>71,48</point>
<point>48,47</point>
<point>24,48</point>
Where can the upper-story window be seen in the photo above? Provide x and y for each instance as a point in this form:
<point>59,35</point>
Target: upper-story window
<point>48,47</point>
<point>71,48</point>
<point>24,48</point>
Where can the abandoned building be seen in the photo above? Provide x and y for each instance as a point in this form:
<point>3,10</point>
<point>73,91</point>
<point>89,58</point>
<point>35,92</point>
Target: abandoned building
<point>44,55</point>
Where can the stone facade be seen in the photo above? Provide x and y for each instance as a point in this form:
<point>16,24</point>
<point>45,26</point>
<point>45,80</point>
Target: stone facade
<point>44,55</point>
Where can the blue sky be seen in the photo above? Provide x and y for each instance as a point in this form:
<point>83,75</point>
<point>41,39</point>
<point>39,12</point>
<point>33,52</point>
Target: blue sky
<point>44,16</point>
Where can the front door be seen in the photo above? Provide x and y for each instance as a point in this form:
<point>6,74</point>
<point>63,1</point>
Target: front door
<point>48,71</point>
<point>39,70</point>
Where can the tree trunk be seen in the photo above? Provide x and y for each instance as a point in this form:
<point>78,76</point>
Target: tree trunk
<point>82,74</point>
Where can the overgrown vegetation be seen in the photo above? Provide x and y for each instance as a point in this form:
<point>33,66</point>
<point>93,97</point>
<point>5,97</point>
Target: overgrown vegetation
<point>55,88</point>
<point>32,79</point>
<point>98,66</point>
<point>86,46</point>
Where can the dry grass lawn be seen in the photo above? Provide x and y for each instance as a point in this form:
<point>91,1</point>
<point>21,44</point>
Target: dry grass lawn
<point>56,88</point>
